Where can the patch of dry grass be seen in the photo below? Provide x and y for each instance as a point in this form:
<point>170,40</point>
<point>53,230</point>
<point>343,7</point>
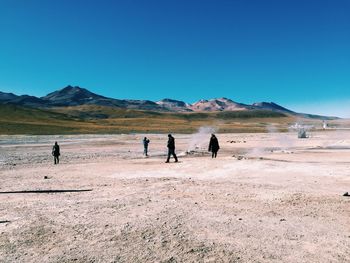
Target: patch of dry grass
<point>99,119</point>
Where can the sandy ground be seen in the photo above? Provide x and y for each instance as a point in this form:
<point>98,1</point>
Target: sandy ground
<point>266,198</point>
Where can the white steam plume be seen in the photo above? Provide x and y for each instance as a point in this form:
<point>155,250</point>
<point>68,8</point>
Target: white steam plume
<point>200,140</point>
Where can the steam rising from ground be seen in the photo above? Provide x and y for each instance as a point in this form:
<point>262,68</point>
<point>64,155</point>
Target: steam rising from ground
<point>200,140</point>
<point>299,126</point>
<point>277,142</point>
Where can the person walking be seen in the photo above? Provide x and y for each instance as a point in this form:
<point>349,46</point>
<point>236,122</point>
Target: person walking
<point>56,153</point>
<point>213,146</point>
<point>171,148</point>
<point>145,146</point>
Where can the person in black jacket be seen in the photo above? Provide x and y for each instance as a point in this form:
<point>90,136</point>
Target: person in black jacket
<point>145,146</point>
<point>213,146</point>
<point>56,153</point>
<point>171,148</point>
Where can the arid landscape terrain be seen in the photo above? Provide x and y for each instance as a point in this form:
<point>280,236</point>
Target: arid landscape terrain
<point>261,85</point>
<point>75,110</point>
<point>268,197</point>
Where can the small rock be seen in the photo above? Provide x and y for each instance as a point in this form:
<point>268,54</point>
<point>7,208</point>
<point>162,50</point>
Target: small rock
<point>240,219</point>
<point>282,219</point>
<point>346,194</point>
<point>46,177</point>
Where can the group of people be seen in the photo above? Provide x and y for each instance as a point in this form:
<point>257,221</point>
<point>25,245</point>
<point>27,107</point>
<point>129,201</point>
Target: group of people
<point>213,148</point>
<point>170,145</point>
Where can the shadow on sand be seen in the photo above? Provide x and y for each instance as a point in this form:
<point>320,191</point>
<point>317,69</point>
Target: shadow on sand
<point>45,191</point>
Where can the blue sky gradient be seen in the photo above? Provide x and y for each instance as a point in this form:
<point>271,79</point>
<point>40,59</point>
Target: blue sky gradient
<point>295,53</point>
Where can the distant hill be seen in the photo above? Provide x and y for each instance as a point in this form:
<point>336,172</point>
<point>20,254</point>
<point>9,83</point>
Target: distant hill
<point>271,106</point>
<point>221,104</point>
<point>77,96</point>
<point>84,119</point>
<point>73,96</point>
<point>7,96</point>
<point>25,100</point>
<point>90,118</point>
<point>174,105</point>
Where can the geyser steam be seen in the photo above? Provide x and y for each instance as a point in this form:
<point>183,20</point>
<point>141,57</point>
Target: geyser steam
<point>200,140</point>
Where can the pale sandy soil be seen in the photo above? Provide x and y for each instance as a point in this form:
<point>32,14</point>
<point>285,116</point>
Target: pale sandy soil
<point>281,202</point>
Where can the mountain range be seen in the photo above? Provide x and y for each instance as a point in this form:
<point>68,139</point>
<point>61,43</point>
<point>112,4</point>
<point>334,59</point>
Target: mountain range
<point>76,96</point>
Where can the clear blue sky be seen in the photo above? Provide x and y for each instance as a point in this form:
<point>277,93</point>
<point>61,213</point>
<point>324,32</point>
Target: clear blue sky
<point>293,52</point>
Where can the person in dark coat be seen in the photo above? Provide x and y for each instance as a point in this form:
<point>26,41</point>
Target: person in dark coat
<point>145,146</point>
<point>213,146</point>
<point>56,153</point>
<point>171,148</point>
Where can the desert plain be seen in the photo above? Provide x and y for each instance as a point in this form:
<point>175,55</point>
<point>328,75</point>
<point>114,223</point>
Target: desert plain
<point>267,197</point>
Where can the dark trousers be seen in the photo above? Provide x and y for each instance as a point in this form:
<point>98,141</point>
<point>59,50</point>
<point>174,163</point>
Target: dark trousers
<point>214,154</point>
<point>171,152</point>
<point>145,150</point>
<point>56,159</point>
